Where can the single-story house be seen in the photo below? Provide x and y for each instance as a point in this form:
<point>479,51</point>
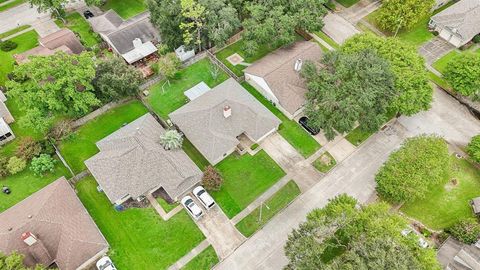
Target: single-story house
<point>52,227</point>
<point>133,163</point>
<point>277,76</point>
<point>454,255</point>
<point>6,133</point>
<point>133,39</point>
<point>459,23</point>
<point>63,40</point>
<point>215,121</point>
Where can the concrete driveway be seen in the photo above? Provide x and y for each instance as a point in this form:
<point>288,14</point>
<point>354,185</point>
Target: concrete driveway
<point>435,49</point>
<point>338,28</point>
<point>281,151</point>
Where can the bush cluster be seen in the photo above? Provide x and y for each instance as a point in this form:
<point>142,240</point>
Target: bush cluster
<point>8,45</point>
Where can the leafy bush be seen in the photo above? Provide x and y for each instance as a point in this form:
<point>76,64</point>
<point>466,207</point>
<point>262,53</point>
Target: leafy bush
<point>212,180</point>
<point>466,230</point>
<point>28,148</point>
<point>16,165</point>
<point>3,166</point>
<point>476,39</point>
<point>42,164</point>
<point>473,148</point>
<point>463,73</point>
<point>410,172</point>
<point>8,45</point>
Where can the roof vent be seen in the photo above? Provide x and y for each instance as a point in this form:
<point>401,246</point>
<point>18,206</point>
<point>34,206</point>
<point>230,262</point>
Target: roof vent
<point>137,43</point>
<point>29,238</point>
<point>227,111</point>
<point>298,65</point>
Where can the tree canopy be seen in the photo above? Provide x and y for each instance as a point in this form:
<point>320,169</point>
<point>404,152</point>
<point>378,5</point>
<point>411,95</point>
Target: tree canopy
<point>410,172</point>
<point>59,84</point>
<point>166,16</point>
<point>463,74</point>
<point>344,236</point>
<point>348,88</point>
<point>411,77</point>
<point>14,261</point>
<point>394,15</point>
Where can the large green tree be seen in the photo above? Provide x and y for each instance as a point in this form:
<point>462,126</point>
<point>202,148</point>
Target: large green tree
<point>348,88</point>
<point>395,15</point>
<point>222,21</point>
<point>274,22</point>
<point>343,235</point>
<point>411,77</point>
<point>409,173</point>
<point>463,74</point>
<point>166,15</point>
<point>47,86</point>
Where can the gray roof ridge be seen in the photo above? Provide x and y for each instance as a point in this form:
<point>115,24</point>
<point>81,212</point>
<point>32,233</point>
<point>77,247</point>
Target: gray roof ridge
<point>126,24</point>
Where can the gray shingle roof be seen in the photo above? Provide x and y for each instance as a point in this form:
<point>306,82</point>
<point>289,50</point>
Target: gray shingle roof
<point>4,112</point>
<point>66,232</point>
<point>462,18</point>
<point>277,69</point>
<point>203,123</point>
<point>132,162</point>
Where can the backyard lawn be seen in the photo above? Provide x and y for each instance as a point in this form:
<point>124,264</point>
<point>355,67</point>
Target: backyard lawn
<point>26,183</point>
<point>244,179</point>
<point>138,237</point>
<point>81,144</point>
<point>171,97</point>
<point>203,261</point>
<point>25,41</point>
<point>125,8</point>
<point>251,223</point>
<point>445,205</point>
<point>80,26</point>
<point>305,144</point>
<point>325,162</point>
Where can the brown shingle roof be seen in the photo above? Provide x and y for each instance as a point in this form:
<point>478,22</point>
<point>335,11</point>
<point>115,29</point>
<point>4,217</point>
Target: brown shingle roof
<point>277,69</point>
<point>67,234</point>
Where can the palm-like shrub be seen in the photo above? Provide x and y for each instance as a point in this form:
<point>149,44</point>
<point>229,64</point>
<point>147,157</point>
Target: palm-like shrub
<point>171,140</point>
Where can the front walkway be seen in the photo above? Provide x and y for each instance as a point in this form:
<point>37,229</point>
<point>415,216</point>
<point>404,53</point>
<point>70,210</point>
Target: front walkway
<point>165,216</point>
<point>192,254</point>
<point>435,49</point>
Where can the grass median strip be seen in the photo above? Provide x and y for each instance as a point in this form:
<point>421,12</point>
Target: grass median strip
<point>14,31</point>
<point>205,260</point>
<point>325,162</point>
<point>12,4</point>
<point>253,222</point>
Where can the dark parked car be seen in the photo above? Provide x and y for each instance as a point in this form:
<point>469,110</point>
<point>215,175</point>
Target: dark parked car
<point>88,14</point>
<point>304,122</point>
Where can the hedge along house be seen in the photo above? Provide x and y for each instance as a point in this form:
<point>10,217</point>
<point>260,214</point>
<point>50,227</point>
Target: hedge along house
<point>224,119</point>
<point>6,118</point>
<point>459,23</point>
<point>277,76</point>
<point>132,163</point>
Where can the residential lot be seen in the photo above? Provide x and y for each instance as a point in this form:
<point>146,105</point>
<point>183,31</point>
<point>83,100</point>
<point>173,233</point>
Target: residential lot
<point>125,8</point>
<point>80,26</point>
<point>138,237</point>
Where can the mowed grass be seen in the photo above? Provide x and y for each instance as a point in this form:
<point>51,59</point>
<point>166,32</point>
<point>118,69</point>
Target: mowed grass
<point>244,179</point>
<point>171,97</point>
<point>325,162</point>
<point>81,144</point>
<point>252,223</point>
<point>138,237</point>
<point>25,41</point>
<point>327,39</point>
<point>442,63</point>
<point>12,4</point>
<point>203,261</point>
<point>305,144</point>
<point>125,8</point>
<point>443,206</point>
<point>26,183</point>
<point>80,26</point>
<point>166,206</point>
<point>358,136</point>
<point>347,3</point>
<point>14,31</point>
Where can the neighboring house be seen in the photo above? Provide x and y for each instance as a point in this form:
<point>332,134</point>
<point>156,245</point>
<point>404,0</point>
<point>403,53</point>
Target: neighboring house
<point>6,133</point>
<point>52,227</point>
<point>277,76</point>
<point>454,255</point>
<point>459,23</point>
<point>132,163</point>
<point>63,40</point>
<point>133,39</point>
<point>216,121</point>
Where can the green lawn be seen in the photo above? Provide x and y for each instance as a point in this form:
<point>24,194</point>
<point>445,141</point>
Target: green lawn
<point>81,145</point>
<point>138,237</point>
<point>166,206</point>
<point>442,63</point>
<point>327,39</point>
<point>438,81</point>
<point>251,223</point>
<point>445,205</point>
<point>347,3</point>
<point>238,47</point>
<point>171,98</point>
<point>25,41</point>
<point>26,183</point>
<point>203,261</point>
<point>358,136</point>
<point>14,31</point>
<point>194,154</point>
<point>305,144</point>
<point>125,8</point>
<point>245,178</point>
<point>80,26</point>
<point>12,4</point>
<point>325,162</point>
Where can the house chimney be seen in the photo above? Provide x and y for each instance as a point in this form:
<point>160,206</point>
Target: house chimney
<point>137,43</point>
<point>227,111</point>
<point>298,65</point>
<point>29,238</point>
